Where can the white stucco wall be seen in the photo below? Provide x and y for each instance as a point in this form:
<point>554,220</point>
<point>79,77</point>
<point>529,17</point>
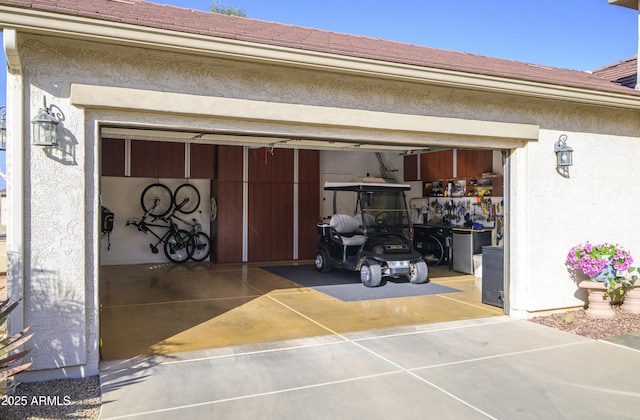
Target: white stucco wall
<point>548,213</point>
<point>595,204</point>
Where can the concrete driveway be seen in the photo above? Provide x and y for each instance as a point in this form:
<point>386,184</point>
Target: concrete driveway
<point>494,367</point>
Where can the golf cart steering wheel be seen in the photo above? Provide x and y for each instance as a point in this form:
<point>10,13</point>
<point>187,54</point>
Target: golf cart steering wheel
<point>383,218</point>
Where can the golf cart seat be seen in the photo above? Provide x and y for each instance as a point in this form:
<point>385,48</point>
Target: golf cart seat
<point>347,229</point>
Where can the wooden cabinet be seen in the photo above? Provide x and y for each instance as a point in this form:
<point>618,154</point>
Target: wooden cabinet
<point>473,163</point>
<point>154,159</point>
<point>270,165</point>
<point>144,158</point>
<point>308,218</point>
<point>171,160</point>
<point>270,221</point>
<point>410,168</point>
<point>202,159</point>
<point>270,218</point>
<point>226,229</point>
<point>270,204</point>
<point>308,202</point>
<point>436,165</point>
<point>113,157</point>
<point>230,167</point>
<point>308,166</point>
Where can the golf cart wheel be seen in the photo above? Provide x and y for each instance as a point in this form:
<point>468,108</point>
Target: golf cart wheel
<point>418,273</point>
<point>322,261</point>
<point>371,274</point>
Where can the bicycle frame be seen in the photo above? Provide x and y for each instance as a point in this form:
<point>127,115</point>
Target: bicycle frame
<point>178,250</point>
<point>143,226</point>
<point>171,226</point>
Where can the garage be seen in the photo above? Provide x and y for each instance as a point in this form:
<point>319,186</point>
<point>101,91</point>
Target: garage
<point>190,98</point>
<point>260,200</point>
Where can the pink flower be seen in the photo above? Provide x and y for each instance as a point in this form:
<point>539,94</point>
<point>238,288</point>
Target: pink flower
<point>594,259</point>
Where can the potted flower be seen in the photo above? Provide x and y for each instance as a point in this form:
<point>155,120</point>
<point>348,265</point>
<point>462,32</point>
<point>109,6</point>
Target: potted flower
<point>607,264</point>
<point>601,262</point>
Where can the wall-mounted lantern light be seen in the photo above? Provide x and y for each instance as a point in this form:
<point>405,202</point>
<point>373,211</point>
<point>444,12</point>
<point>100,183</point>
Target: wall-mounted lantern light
<point>564,153</point>
<point>44,127</point>
<point>3,127</point>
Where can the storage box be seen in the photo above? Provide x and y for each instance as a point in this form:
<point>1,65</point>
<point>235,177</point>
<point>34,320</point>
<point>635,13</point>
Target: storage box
<point>477,265</point>
<point>493,276</point>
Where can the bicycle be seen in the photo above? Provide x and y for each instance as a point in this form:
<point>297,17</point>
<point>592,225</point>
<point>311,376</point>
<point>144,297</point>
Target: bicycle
<point>179,245</point>
<point>202,242</point>
<point>157,199</point>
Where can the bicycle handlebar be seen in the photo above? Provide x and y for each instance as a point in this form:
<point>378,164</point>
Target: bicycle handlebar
<point>166,219</point>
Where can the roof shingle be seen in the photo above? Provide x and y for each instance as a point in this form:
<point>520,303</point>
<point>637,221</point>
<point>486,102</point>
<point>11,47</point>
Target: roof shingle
<point>144,13</point>
<point>624,72</point>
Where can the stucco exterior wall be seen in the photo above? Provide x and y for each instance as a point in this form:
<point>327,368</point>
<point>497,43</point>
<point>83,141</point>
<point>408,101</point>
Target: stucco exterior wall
<point>548,213</point>
<point>595,204</point>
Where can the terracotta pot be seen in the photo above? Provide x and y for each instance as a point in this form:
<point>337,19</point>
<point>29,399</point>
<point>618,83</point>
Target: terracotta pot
<point>599,305</point>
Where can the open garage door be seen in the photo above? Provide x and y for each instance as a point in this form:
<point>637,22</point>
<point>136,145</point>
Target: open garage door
<point>232,301</point>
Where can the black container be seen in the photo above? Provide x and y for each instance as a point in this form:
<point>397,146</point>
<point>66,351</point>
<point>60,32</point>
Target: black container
<point>493,275</point>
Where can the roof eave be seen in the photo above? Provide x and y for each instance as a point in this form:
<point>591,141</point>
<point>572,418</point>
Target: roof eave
<point>76,27</point>
<point>631,4</point>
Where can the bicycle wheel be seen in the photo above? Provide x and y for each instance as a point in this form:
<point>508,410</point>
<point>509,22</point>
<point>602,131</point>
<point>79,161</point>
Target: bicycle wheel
<point>202,246</point>
<point>179,246</point>
<point>156,200</point>
<point>433,251</point>
<point>186,192</point>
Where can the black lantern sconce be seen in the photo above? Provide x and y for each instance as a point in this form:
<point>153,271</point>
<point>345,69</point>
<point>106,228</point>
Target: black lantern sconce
<point>564,156</point>
<point>3,127</point>
<point>44,127</point>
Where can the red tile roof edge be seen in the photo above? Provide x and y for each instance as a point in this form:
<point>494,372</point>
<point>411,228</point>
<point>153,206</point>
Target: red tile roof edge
<point>152,15</point>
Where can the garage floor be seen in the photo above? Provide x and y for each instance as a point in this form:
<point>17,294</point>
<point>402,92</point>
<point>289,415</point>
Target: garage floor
<point>164,309</point>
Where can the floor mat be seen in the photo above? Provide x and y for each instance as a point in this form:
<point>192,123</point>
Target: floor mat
<point>346,286</point>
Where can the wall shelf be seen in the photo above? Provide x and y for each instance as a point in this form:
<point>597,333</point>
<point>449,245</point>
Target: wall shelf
<point>490,186</point>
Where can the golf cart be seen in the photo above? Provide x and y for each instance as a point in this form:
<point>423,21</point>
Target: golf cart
<point>373,240</point>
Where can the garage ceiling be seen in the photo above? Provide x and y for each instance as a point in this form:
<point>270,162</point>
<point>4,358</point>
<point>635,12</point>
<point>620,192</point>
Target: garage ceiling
<point>258,140</point>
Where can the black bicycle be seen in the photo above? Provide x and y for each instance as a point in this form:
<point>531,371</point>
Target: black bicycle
<point>202,242</point>
<point>179,245</point>
<point>157,201</point>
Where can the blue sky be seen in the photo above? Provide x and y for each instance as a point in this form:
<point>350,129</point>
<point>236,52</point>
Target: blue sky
<point>575,34</point>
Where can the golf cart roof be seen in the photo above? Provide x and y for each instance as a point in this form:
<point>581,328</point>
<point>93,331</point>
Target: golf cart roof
<point>365,186</point>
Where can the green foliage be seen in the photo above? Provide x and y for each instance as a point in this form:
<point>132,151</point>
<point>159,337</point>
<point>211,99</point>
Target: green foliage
<point>618,286</point>
<point>219,7</point>
<point>10,357</point>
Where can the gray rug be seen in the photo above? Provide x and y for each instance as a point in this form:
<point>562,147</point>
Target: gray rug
<point>346,286</point>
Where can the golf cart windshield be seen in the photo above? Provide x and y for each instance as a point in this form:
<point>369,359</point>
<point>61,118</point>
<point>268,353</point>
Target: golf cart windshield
<point>382,206</point>
<point>384,210</point>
